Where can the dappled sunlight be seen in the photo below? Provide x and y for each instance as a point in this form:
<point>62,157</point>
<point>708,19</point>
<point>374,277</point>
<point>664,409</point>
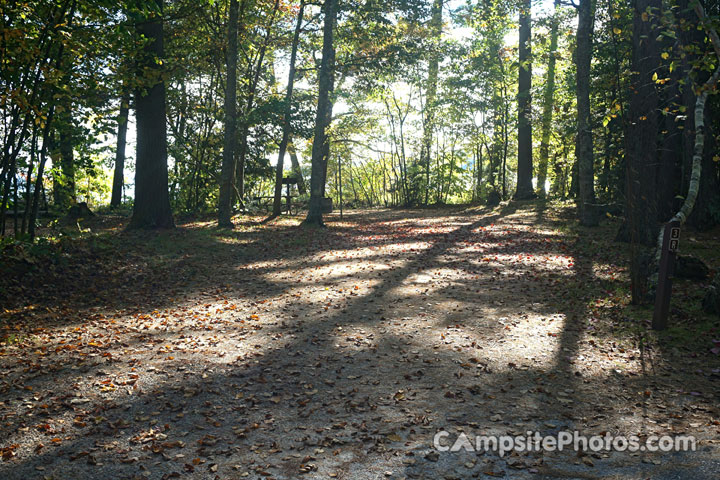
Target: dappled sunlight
<point>608,272</point>
<point>236,240</point>
<point>506,343</point>
<point>561,265</point>
<point>372,335</point>
<point>283,240</point>
<point>430,276</point>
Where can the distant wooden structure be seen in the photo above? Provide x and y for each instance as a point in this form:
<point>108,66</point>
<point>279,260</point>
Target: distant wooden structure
<point>288,182</point>
<point>266,201</point>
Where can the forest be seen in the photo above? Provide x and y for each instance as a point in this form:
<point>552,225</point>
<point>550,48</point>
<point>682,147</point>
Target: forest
<point>312,238</point>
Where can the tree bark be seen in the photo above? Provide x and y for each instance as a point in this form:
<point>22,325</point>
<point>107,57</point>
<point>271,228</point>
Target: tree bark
<point>699,116</point>
<point>704,214</point>
<point>64,179</point>
<point>28,181</point>
<point>152,200</point>
<point>584,141</point>
<point>430,96</point>
<point>325,83</point>
<point>328,120</point>
<point>326,153</point>
<point>297,171</point>
<point>524,189</point>
<point>227,173</point>
<point>41,169</point>
<point>506,142</point>
<point>252,92</point>
<point>277,201</point>
<point>641,146</point>
<point>548,104</point>
<point>118,176</point>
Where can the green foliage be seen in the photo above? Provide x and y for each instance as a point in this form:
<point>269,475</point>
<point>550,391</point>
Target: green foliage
<point>62,74</point>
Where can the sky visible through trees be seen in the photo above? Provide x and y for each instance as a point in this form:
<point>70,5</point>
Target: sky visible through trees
<point>451,29</point>
<point>281,239</point>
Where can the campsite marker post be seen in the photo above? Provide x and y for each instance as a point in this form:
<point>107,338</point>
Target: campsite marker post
<point>671,241</point>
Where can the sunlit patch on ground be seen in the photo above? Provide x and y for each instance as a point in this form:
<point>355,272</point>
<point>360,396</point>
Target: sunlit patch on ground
<point>258,351</point>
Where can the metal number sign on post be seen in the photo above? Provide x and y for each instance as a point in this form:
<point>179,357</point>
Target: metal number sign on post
<point>671,241</point>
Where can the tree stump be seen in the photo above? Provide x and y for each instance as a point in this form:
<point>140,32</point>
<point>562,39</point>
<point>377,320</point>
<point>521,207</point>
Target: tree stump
<point>493,199</point>
<point>691,267</point>
<point>326,205</point>
<point>80,210</point>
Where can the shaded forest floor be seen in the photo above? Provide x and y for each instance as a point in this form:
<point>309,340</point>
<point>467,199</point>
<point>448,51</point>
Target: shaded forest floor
<point>276,352</point>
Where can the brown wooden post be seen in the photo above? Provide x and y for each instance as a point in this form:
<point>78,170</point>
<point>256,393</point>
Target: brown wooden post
<point>671,241</point>
<point>287,190</point>
<point>289,181</point>
<point>340,201</point>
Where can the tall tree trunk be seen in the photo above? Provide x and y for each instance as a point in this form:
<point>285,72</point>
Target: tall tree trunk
<point>118,176</point>
<point>505,145</point>
<point>64,180</point>
<point>668,176</point>
<point>704,215</point>
<point>328,120</point>
<point>525,168</point>
<point>47,139</point>
<point>604,177</point>
<point>47,131</point>
<point>505,138</point>
<point>480,172</point>
<point>227,172</point>
<point>152,201</point>
<point>672,155</point>
<point>700,130</point>
<point>297,171</point>
<point>496,153</point>
<point>16,213</point>
<point>252,92</point>
<point>17,123</point>
<point>340,193</point>
<point>326,145</point>
<point>325,83</point>
<point>699,156</point>
<point>450,173</point>
<point>326,153</point>
<point>431,94</point>
<point>573,191</point>
<point>642,142</point>
<point>548,104</point>
<point>28,181</point>
<point>584,142</point>
<point>558,186</point>
<point>704,212</point>
<point>475,186</point>
<point>277,201</point>
<point>427,182</point>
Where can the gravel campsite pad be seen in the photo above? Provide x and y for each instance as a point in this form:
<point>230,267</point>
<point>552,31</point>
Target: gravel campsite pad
<point>273,351</point>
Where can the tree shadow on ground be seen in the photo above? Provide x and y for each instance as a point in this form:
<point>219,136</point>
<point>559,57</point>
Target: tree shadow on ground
<point>351,392</point>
